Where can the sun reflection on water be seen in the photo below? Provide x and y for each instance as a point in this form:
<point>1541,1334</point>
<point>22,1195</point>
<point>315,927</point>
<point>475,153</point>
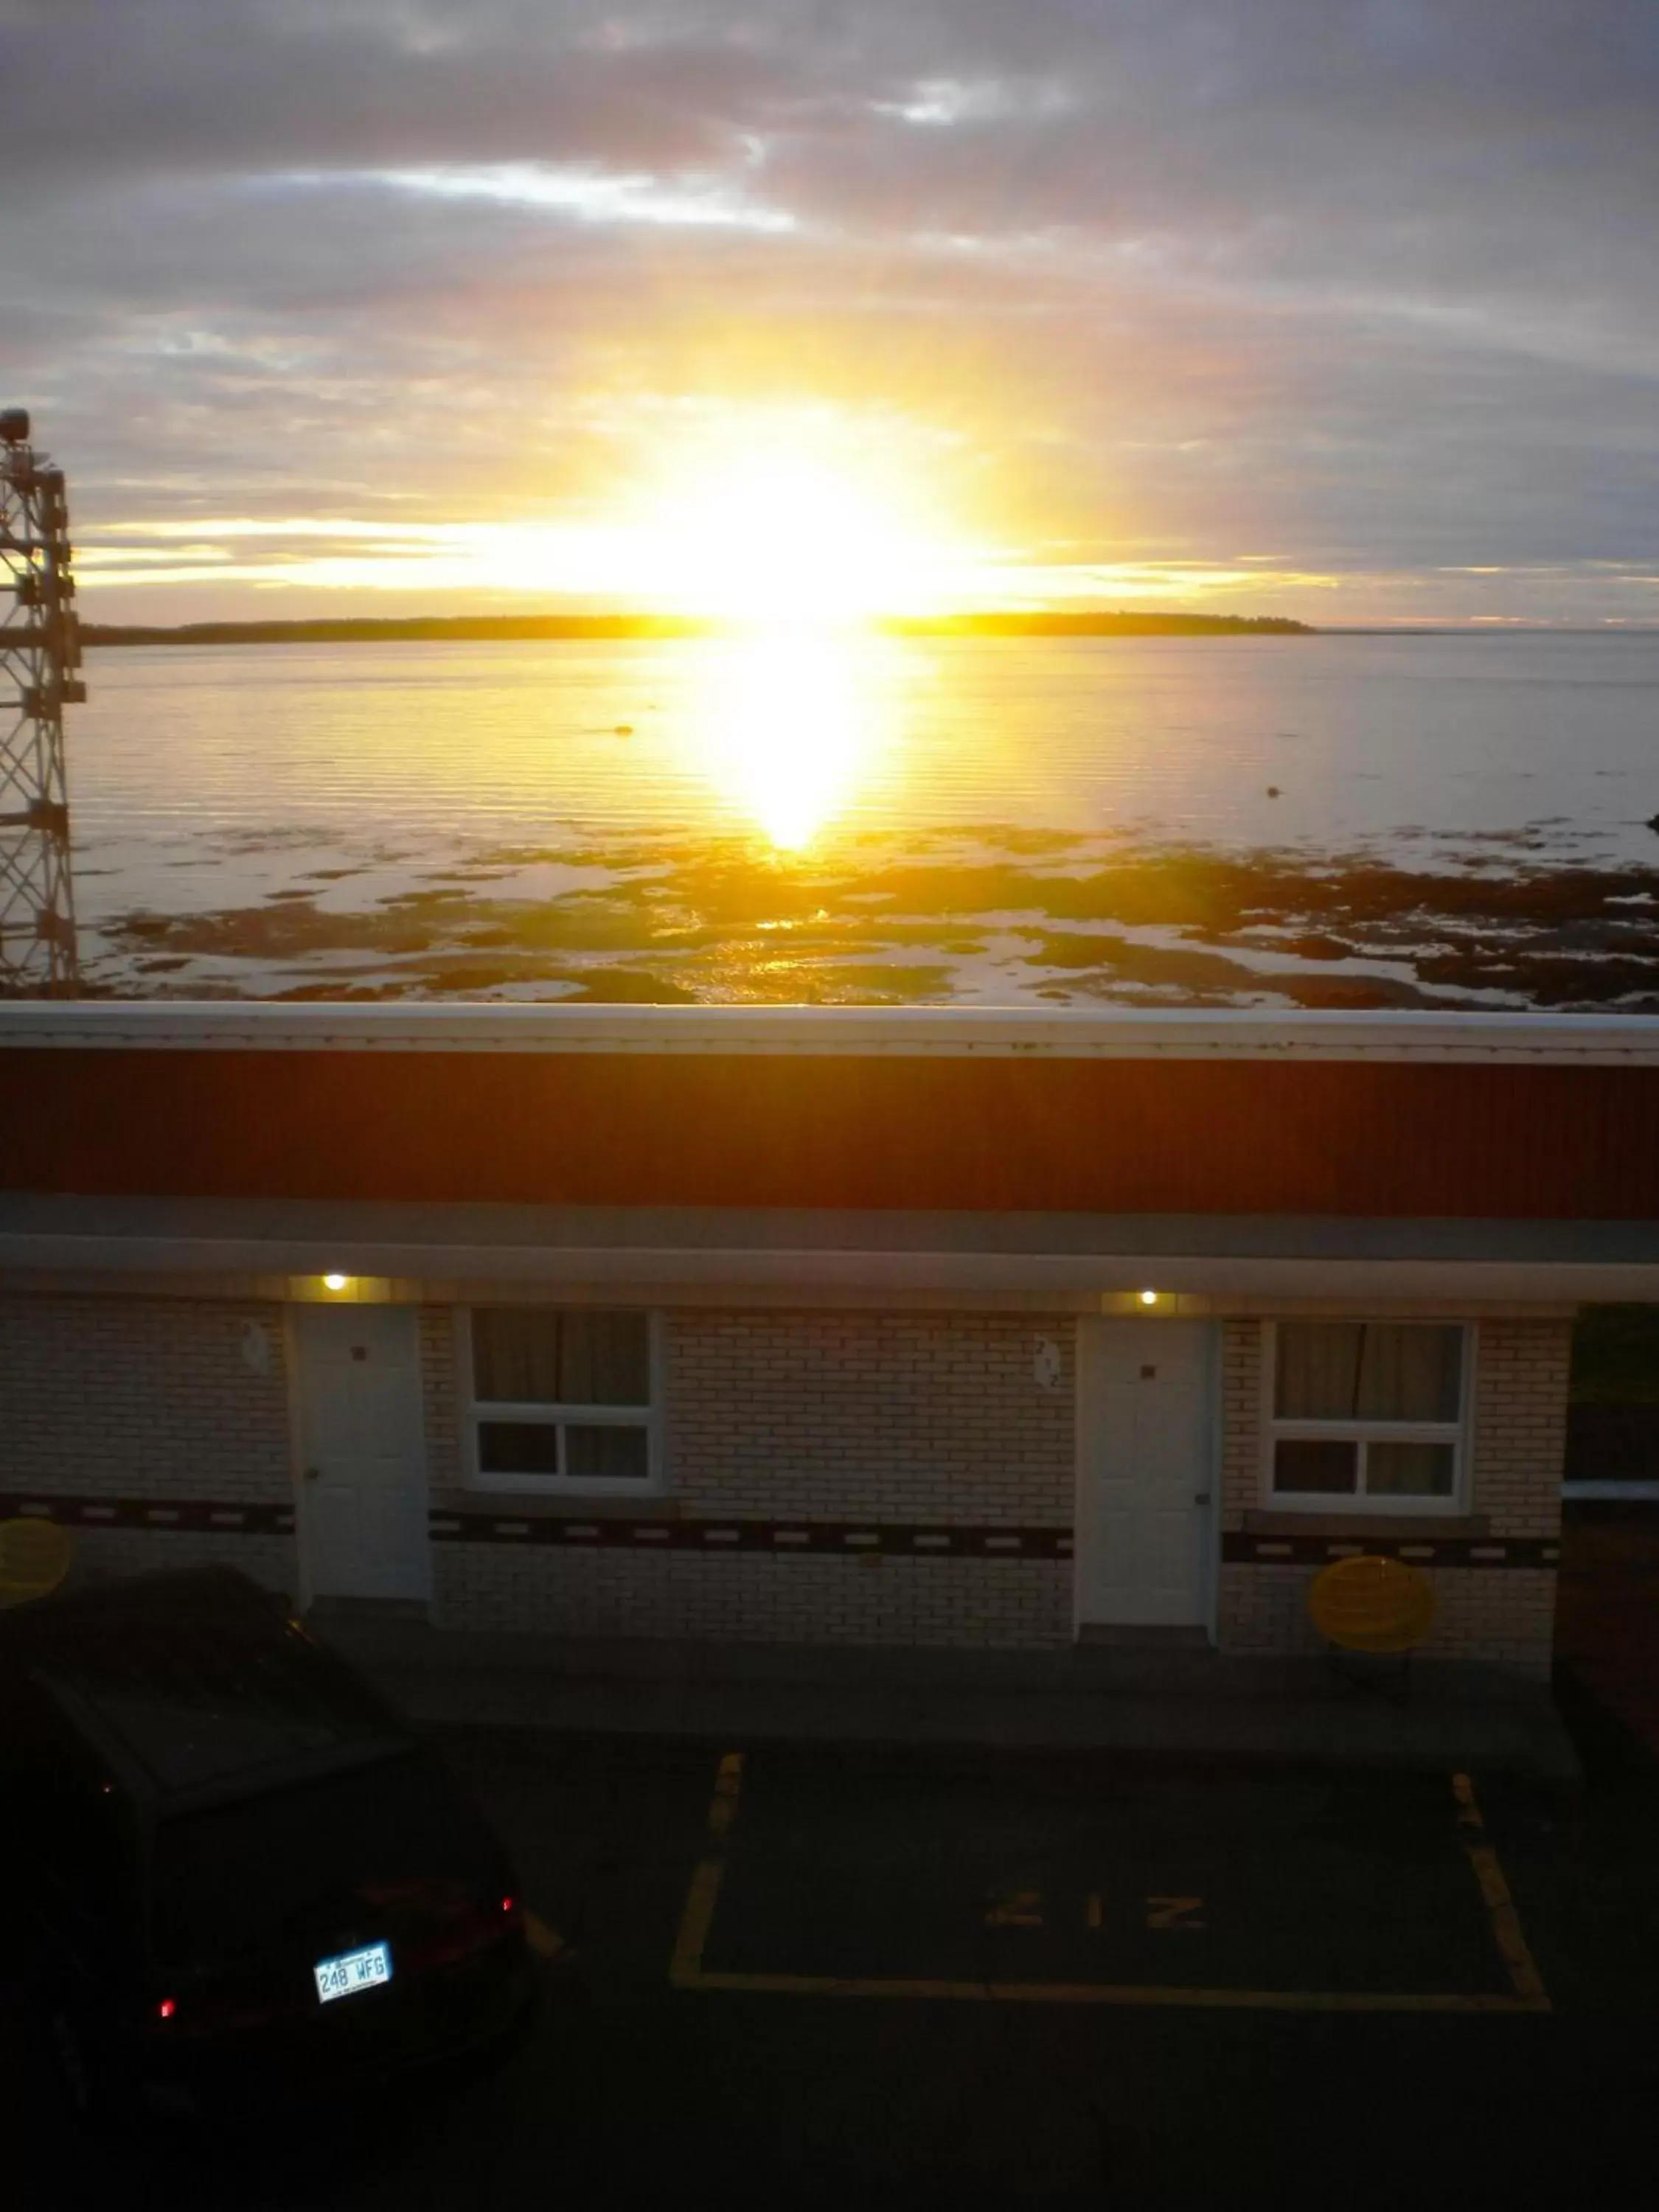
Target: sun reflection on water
<point>792,725</point>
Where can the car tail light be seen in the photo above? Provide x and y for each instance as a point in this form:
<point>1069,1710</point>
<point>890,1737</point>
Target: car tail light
<point>209,2012</point>
<point>508,1904</point>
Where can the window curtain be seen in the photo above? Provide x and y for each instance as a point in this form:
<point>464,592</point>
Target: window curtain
<point>541,1355</point>
<point>1367,1372</point>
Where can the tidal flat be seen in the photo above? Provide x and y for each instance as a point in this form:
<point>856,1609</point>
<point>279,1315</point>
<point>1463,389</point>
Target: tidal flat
<point>1026,919</point>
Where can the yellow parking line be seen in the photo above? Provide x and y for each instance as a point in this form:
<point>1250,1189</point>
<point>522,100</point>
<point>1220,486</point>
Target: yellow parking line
<point>686,1969</point>
<point>544,1940</point>
<point>1102,1993</point>
<point>1495,1891</point>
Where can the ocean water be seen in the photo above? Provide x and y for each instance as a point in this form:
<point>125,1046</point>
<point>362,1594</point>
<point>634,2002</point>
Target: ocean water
<point>1322,820</point>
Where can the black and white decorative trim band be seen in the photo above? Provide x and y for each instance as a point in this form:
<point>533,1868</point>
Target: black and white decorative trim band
<point>1253,1550</point>
<point>189,1516</point>
<point>726,1535</point>
<point>627,1532</point>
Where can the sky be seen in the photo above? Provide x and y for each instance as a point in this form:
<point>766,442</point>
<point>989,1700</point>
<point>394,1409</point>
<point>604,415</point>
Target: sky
<point>1346,310</point>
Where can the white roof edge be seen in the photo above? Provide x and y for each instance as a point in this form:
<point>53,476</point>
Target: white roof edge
<point>1223,1276</point>
<point>898,1032</point>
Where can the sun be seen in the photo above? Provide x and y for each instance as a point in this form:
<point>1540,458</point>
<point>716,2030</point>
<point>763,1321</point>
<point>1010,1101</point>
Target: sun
<point>761,518</point>
<point>770,529</point>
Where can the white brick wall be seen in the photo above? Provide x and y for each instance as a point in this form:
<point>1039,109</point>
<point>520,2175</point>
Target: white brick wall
<point>1520,1425</point>
<point>142,1397</point>
<point>440,1411</point>
<point>753,1596</point>
<point>148,1398</point>
<point>1241,1421</point>
<point>837,1416</point>
<point>900,1416</point>
<point>828,1416</point>
<point>1501,1615</point>
<point>104,1554</point>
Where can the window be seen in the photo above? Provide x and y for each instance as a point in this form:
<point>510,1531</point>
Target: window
<point>562,1399</point>
<point>1366,1414</point>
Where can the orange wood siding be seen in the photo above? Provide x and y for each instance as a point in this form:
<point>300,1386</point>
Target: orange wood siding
<point>1092,1135</point>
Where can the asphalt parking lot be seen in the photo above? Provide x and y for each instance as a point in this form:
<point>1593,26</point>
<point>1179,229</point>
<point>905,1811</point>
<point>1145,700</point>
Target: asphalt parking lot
<point>1280,1892</point>
<point>804,1975</point>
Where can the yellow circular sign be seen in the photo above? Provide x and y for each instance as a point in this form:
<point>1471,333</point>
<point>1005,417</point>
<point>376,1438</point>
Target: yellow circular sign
<point>35,1557</point>
<point>1371,1604</point>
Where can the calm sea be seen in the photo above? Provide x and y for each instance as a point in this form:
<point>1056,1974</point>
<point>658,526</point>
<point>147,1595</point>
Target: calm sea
<point>1319,820</point>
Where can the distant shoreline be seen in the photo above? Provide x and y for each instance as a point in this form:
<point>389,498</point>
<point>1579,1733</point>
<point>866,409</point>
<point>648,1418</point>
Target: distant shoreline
<point>596,628</point>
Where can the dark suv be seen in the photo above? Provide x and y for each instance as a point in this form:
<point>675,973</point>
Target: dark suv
<point>248,1881</point>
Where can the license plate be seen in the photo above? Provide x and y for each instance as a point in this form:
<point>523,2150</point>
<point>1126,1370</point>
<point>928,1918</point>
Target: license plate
<point>353,1971</point>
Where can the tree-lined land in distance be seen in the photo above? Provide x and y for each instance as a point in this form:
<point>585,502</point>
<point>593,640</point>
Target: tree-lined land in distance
<point>486,628</point>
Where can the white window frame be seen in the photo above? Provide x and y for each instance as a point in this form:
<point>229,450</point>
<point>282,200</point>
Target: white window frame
<point>473,1412</point>
<point>1358,1504</point>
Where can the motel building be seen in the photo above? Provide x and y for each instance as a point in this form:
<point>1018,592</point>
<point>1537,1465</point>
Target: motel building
<point>892,1328</point>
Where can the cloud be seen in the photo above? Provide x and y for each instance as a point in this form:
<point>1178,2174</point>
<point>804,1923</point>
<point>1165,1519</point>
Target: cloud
<point>1369,280</point>
<point>215,87</point>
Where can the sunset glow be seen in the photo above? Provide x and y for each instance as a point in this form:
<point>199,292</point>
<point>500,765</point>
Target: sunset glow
<point>765,517</point>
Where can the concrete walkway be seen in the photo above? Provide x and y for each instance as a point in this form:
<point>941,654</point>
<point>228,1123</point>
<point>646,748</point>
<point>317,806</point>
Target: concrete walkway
<point>1187,1704</point>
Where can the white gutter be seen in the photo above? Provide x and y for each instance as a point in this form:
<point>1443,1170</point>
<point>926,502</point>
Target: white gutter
<point>1088,1275</point>
<point>895,1032</point>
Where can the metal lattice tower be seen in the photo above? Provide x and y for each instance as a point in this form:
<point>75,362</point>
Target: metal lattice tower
<point>39,653</point>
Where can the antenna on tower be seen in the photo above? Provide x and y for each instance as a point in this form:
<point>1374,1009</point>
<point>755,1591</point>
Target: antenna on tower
<point>39,653</point>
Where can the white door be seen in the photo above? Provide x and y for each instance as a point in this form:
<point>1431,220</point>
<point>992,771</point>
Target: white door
<point>363,1504</point>
<point>1144,1513</point>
